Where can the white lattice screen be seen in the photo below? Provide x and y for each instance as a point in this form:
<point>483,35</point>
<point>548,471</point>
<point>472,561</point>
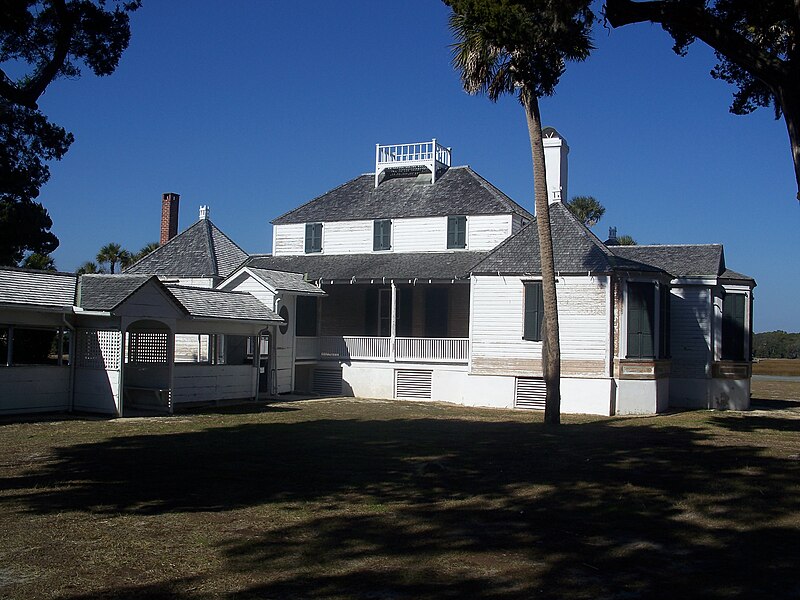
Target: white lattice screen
<point>97,349</point>
<point>148,347</point>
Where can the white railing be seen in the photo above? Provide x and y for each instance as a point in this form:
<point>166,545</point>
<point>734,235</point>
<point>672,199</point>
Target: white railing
<point>358,347</point>
<point>432,349</point>
<point>429,154</point>
<point>307,348</point>
<point>454,350</point>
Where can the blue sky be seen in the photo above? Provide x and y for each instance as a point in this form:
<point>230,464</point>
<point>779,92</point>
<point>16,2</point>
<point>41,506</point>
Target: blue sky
<point>254,107</point>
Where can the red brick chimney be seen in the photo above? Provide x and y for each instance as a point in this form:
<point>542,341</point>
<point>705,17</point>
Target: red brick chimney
<point>169,217</point>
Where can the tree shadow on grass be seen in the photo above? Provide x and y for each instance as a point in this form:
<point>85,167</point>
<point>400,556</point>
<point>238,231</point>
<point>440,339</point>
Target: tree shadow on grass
<point>456,508</point>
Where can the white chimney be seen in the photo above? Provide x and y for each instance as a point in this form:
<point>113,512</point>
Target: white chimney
<point>555,159</point>
<point>205,211</point>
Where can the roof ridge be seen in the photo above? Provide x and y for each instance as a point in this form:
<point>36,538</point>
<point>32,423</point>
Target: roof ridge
<point>164,245</point>
<point>212,250</point>
<point>203,289</point>
<point>296,208</point>
<point>37,271</point>
<point>497,192</point>
<point>670,245</point>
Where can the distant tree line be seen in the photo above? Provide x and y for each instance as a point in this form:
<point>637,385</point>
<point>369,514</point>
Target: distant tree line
<point>777,344</point>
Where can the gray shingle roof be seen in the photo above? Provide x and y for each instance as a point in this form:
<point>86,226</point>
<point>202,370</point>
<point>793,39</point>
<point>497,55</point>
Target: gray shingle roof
<point>345,267</point>
<point>459,191</point>
<point>37,288</point>
<point>287,282</point>
<point>107,292</point>
<point>575,250</point>
<point>730,275</point>
<point>220,304</point>
<point>202,250</point>
<point>690,260</point>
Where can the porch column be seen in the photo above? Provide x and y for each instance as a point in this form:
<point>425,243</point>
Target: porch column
<point>393,330</point>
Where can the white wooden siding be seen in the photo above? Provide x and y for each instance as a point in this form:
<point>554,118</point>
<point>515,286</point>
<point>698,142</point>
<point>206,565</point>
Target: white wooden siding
<point>246,283</point>
<point>690,331</point>
<point>423,234</point>
<point>484,232</point>
<point>203,383</point>
<point>498,318</point>
<point>284,351</point>
<point>516,224</point>
<point>347,237</point>
<point>289,239</point>
<point>34,388</point>
<point>97,390</point>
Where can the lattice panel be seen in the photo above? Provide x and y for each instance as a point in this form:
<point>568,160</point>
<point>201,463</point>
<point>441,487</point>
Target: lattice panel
<point>97,349</point>
<point>148,347</point>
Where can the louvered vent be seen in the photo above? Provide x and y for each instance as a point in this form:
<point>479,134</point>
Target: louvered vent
<point>328,382</point>
<point>412,384</point>
<point>530,393</point>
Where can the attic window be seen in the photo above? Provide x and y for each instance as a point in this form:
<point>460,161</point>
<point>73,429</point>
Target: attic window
<point>313,237</point>
<point>457,232</point>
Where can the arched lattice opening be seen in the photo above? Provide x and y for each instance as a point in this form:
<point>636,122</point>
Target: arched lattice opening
<point>147,375</point>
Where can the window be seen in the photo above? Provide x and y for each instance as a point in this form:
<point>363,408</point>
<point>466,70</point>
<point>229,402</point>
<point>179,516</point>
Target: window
<point>457,232</point>
<point>733,327</point>
<point>313,237</point>
<point>641,300</point>
<point>382,234</point>
<point>33,346</point>
<point>306,316</point>
<point>534,311</point>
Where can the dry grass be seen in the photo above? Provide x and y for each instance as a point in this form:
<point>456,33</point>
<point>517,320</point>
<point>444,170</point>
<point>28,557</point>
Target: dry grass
<point>777,366</point>
<point>391,500</point>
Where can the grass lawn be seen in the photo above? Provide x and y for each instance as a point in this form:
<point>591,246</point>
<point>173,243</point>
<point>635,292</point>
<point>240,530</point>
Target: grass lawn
<point>777,366</point>
<point>385,500</point>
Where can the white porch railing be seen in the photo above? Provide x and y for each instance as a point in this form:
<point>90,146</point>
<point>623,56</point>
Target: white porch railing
<point>432,349</point>
<point>453,350</point>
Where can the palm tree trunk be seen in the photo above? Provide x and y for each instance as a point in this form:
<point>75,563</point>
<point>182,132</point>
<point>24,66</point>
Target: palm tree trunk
<point>551,351</point>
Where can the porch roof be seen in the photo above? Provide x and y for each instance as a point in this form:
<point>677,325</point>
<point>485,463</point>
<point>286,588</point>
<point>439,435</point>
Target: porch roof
<point>458,191</point>
<point>575,250</point>
<point>207,303</point>
<point>107,292</point>
<point>37,288</point>
<point>282,281</point>
<point>679,260</point>
<point>364,268</point>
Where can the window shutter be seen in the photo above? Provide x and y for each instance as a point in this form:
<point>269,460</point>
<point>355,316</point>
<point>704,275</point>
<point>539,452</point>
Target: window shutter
<point>382,231</point>
<point>313,237</point>
<point>534,311</point>
<point>457,232</point>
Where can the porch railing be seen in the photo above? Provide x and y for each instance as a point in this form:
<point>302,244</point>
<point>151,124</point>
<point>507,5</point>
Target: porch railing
<point>406,349</point>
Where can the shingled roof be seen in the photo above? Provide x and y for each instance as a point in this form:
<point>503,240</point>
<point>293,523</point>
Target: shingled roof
<point>107,292</point>
<point>221,304</point>
<point>689,260</point>
<point>282,281</point>
<point>575,250</point>
<point>458,191</point>
<point>368,267</point>
<point>37,288</point>
<point>202,250</point>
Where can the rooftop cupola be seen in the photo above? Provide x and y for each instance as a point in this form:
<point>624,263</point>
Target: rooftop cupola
<point>408,160</point>
<point>555,159</point>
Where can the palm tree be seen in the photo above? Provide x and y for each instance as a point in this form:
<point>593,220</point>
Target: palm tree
<point>519,48</point>
<point>145,251</point>
<point>112,254</point>
<point>626,240</point>
<point>89,268</point>
<point>587,209</point>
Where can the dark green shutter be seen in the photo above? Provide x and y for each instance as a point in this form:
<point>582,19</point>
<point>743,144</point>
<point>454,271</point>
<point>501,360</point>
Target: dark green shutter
<point>382,231</point>
<point>534,311</point>
<point>457,232</point>
<point>640,320</point>
<point>313,237</point>
<point>733,328</point>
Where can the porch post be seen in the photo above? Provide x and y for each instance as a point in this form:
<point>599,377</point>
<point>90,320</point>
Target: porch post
<point>393,330</point>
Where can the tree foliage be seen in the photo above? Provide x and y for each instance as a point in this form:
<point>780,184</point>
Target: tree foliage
<point>42,262</point>
<point>626,240</point>
<point>776,344</point>
<point>587,209</point>
<point>520,48</point>
<point>113,254</point>
<point>90,268</point>
<point>756,44</point>
<point>46,39</point>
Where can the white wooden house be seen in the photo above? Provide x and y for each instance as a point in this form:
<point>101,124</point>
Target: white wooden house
<point>431,291</point>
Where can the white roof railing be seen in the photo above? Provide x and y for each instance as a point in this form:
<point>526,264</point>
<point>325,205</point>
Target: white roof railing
<point>431,154</point>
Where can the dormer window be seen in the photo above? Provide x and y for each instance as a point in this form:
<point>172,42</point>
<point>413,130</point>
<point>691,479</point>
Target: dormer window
<point>313,238</point>
<point>382,234</point>
<point>457,232</point>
